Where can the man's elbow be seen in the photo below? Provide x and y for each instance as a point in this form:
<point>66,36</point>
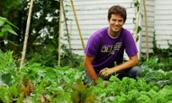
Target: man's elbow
<point>85,64</point>
<point>136,62</point>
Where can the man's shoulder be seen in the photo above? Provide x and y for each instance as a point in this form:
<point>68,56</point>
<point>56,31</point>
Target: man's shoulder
<point>103,29</point>
<point>100,32</point>
<point>125,31</point>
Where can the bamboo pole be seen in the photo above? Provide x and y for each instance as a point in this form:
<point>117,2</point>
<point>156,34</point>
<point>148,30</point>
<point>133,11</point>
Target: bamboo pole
<point>137,32</point>
<point>146,29</point>
<point>67,30</point>
<point>59,38</point>
<point>77,23</point>
<point>26,34</point>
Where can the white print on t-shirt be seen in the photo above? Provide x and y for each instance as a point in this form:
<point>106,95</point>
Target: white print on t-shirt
<point>111,48</point>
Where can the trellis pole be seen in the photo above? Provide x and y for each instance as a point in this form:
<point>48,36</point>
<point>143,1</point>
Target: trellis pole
<point>77,23</point>
<point>137,29</point>
<point>146,29</point>
<point>59,38</point>
<point>26,34</point>
<point>66,25</point>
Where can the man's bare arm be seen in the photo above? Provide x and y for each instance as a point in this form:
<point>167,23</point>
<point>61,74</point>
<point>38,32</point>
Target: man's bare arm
<point>128,64</point>
<point>89,68</point>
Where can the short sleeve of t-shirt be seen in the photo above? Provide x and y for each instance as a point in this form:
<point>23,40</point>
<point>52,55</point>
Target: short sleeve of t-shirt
<point>129,44</point>
<point>92,45</point>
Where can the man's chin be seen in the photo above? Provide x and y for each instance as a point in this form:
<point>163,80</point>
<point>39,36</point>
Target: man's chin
<point>115,30</point>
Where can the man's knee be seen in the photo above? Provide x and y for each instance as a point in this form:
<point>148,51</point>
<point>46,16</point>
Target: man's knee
<point>135,71</point>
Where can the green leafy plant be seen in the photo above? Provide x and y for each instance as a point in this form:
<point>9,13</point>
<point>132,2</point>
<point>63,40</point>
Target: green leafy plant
<point>42,84</point>
<point>6,27</point>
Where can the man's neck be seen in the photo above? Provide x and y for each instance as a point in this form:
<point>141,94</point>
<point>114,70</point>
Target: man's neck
<point>112,33</point>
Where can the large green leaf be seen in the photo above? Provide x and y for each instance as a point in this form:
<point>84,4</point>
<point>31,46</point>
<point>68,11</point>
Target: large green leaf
<point>8,28</point>
<point>1,23</point>
<point>11,24</point>
<point>4,20</point>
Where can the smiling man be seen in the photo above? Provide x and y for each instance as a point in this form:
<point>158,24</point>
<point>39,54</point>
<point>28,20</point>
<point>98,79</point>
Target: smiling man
<point>105,49</point>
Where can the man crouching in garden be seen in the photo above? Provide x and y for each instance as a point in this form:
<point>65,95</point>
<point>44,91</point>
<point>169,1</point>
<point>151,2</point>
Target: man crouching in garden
<point>105,49</point>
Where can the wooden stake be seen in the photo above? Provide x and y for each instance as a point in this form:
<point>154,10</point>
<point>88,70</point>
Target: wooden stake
<point>77,23</point>
<point>146,30</point>
<point>26,34</point>
<point>59,38</point>
<point>66,25</point>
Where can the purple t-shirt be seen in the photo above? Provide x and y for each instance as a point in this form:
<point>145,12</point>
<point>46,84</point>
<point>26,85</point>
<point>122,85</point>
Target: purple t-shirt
<point>106,50</point>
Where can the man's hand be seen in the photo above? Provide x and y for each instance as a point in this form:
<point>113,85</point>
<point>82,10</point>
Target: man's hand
<point>106,72</point>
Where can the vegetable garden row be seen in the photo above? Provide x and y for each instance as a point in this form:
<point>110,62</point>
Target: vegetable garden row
<point>36,83</point>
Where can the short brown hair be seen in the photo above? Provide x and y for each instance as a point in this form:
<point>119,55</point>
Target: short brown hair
<point>119,10</point>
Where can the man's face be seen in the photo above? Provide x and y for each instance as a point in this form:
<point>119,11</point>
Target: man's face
<point>116,22</point>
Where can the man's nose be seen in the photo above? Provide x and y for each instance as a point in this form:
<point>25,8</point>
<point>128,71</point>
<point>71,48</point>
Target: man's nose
<point>116,22</point>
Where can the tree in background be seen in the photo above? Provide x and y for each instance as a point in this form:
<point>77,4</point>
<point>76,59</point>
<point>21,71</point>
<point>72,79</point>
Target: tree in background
<point>43,31</point>
<point>43,34</point>
<point>8,9</point>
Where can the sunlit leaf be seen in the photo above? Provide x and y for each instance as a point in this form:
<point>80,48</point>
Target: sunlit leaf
<point>1,23</point>
<point>4,20</point>
<point>8,28</point>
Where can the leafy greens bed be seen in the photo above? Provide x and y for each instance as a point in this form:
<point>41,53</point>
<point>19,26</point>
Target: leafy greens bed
<point>36,83</point>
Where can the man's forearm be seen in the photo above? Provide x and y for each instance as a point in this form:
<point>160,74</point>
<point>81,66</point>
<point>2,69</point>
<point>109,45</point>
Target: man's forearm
<point>89,68</point>
<point>123,66</point>
<point>107,71</point>
<point>130,63</point>
<point>91,72</point>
